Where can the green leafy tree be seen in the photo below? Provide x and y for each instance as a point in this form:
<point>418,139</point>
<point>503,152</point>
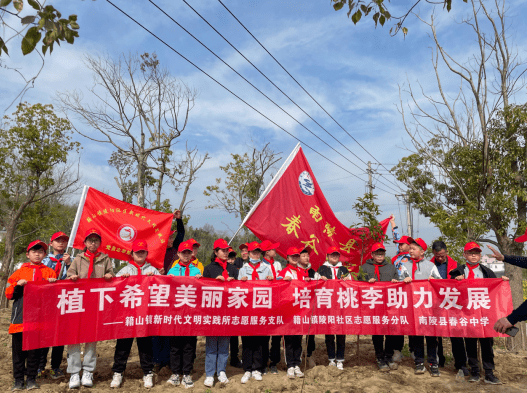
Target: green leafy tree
<point>35,144</point>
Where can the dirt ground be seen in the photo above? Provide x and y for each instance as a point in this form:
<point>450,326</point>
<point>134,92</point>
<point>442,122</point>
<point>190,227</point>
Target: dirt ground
<point>360,373</point>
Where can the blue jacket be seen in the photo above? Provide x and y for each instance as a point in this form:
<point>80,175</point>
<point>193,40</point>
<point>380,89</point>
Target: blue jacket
<point>179,271</point>
<point>49,263</point>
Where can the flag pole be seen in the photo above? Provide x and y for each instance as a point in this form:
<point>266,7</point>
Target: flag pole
<point>269,187</point>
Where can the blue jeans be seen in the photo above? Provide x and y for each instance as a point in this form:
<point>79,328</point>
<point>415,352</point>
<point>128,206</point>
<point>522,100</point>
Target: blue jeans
<point>216,354</point>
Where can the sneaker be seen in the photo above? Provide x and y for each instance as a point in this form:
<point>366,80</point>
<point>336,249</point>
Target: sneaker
<point>393,365</point>
<point>222,378</point>
<point>56,374</point>
<point>310,362</point>
<point>148,379</point>
<point>291,372</point>
<point>174,380</point>
<point>332,362</point>
<point>273,370</point>
<point>116,380</point>
<point>491,378</point>
<point>298,372</point>
<point>187,381</point>
<point>474,378</point>
<point>382,366</point>
<point>340,365</point>
<point>18,385</point>
<point>209,382</point>
<point>257,375</point>
<point>397,356</point>
<point>32,384</point>
<point>419,368</point>
<point>434,370</point>
<point>246,377</point>
<point>75,381</point>
<point>87,379</point>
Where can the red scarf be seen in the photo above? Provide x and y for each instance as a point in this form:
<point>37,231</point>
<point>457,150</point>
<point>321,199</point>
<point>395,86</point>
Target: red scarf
<point>187,268</point>
<point>37,274</point>
<point>271,262</point>
<point>132,262</point>
<point>335,271</point>
<point>223,264</point>
<point>254,275</point>
<point>414,266</point>
<point>58,265</point>
<point>301,274</point>
<point>471,270</point>
<point>378,274</point>
<point>92,257</point>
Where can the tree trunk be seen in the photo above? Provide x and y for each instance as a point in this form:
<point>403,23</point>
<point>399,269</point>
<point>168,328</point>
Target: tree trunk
<point>8,257</point>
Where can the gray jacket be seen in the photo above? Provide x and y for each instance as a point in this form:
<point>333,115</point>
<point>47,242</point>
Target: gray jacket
<point>132,270</point>
<point>387,271</point>
<point>425,270</point>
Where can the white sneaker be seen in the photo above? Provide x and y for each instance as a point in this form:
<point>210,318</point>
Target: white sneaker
<point>187,381</point>
<point>298,372</point>
<point>148,379</point>
<point>174,380</point>
<point>340,365</point>
<point>397,356</point>
<point>209,382</point>
<point>291,372</point>
<point>222,378</point>
<point>257,375</point>
<point>75,381</point>
<point>87,379</point>
<point>116,380</point>
<point>246,377</point>
<point>332,362</point>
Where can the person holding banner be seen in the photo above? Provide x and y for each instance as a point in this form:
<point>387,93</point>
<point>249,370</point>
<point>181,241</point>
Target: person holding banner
<point>421,269</point>
<point>252,346</point>
<point>88,264</point>
<point>304,263</point>
<point>59,261</point>
<point>217,347</point>
<point>333,269</point>
<point>138,266</point>
<point>33,270</point>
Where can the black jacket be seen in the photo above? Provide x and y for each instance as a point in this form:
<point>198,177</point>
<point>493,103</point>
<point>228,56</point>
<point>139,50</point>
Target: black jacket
<point>171,253</point>
<point>325,271</point>
<point>238,262</point>
<point>387,271</point>
<point>214,269</point>
<point>460,270</point>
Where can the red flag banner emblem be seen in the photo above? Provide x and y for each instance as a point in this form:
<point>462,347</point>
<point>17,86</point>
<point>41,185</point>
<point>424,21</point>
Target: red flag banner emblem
<point>294,212</point>
<point>95,310</point>
<point>120,223</point>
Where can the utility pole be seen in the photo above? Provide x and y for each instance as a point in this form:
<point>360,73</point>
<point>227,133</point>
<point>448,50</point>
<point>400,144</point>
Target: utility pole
<point>370,178</point>
<point>409,219</point>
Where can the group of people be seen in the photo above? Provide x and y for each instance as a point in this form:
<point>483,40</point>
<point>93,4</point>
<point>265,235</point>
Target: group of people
<point>260,354</point>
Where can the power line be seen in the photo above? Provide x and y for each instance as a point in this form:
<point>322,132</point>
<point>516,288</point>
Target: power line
<point>302,87</point>
<point>234,94</point>
<point>253,86</point>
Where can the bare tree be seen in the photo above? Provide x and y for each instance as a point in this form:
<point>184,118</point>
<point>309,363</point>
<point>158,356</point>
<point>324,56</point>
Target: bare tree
<point>140,109</point>
<point>190,165</point>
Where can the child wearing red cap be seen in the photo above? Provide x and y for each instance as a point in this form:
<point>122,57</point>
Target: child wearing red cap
<point>194,258</point>
<point>59,261</point>
<point>217,347</point>
<point>293,343</point>
<point>235,340</point>
<point>333,269</point>
<point>378,269</point>
<point>137,266</point>
<point>33,270</point>
<point>88,264</point>
<point>474,271</point>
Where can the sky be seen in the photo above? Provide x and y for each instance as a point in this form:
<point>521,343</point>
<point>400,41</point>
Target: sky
<point>354,72</point>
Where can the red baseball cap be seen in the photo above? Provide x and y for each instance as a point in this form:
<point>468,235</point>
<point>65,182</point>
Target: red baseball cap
<point>57,235</point>
<point>92,231</point>
<point>37,243</point>
<point>332,249</point>
<point>378,246</point>
<point>294,251</point>
<point>220,243</point>
<point>193,242</point>
<point>403,239</point>
<point>472,246</point>
<point>254,246</point>
<point>522,238</point>
<point>420,242</point>
<point>243,245</point>
<point>267,245</point>
<point>140,245</point>
<point>185,246</point>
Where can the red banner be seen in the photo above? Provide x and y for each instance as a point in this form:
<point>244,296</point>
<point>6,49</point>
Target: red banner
<point>96,310</point>
<point>295,213</point>
<point>120,224</point>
